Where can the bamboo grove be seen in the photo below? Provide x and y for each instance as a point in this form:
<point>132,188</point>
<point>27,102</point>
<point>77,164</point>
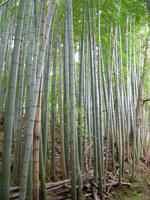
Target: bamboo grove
<point>73,73</point>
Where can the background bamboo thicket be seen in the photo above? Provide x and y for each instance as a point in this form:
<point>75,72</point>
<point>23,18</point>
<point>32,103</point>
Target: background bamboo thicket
<point>74,96</point>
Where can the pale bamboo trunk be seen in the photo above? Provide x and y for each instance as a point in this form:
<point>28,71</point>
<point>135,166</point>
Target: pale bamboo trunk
<point>72,100</point>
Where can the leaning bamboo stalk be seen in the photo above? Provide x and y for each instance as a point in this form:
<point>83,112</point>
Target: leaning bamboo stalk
<point>34,95</point>
<point>37,125</point>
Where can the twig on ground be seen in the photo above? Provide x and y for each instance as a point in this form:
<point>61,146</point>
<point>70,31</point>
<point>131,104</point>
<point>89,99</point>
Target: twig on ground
<point>112,182</point>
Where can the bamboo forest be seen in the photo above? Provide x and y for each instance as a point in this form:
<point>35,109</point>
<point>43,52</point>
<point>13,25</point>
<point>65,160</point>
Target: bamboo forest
<point>75,99</point>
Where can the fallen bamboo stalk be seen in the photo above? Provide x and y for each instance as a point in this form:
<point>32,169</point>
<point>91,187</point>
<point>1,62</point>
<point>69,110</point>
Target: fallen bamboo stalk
<point>112,182</point>
<point>12,189</point>
<point>116,183</point>
<point>65,187</point>
<point>53,189</point>
<point>68,197</point>
<point>50,187</point>
<point>60,191</point>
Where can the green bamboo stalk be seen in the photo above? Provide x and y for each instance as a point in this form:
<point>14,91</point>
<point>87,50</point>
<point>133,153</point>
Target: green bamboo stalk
<point>54,99</point>
<point>81,83</point>
<point>60,88</point>
<point>99,115</point>
<point>43,193</point>
<point>4,42</point>
<point>18,155</point>
<point>118,114</point>
<point>6,157</point>
<point>45,123</point>
<point>66,92</point>
<point>93,100</point>
<point>72,99</point>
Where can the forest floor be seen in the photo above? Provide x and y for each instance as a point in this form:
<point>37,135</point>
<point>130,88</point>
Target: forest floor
<point>140,186</point>
<point>138,189</point>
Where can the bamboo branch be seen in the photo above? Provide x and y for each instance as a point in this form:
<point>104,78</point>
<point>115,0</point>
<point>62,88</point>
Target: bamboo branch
<point>112,182</point>
<point>2,4</point>
<point>146,100</point>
